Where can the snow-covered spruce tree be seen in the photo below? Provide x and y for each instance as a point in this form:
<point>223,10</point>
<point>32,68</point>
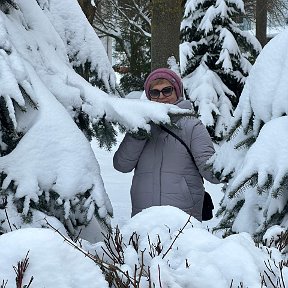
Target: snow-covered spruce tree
<point>47,166</point>
<point>254,158</point>
<point>215,60</point>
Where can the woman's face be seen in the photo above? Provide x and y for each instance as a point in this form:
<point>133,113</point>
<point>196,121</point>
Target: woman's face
<point>166,92</point>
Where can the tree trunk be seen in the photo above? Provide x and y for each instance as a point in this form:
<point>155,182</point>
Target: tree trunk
<point>261,21</point>
<point>165,30</point>
<point>88,9</point>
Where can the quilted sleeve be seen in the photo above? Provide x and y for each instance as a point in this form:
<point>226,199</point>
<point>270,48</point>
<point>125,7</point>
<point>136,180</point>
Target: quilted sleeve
<point>202,149</point>
<point>126,157</point>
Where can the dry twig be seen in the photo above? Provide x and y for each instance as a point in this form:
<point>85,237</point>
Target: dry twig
<point>20,271</point>
<point>177,236</point>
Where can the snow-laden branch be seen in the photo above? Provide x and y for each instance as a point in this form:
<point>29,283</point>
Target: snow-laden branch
<point>107,28</point>
<point>211,96</point>
<point>79,38</point>
<point>144,14</point>
<point>130,113</point>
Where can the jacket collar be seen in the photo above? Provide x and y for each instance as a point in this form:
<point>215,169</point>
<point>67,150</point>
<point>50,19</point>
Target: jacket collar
<point>184,104</point>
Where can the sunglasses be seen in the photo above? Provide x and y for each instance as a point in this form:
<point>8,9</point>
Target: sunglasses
<point>166,91</point>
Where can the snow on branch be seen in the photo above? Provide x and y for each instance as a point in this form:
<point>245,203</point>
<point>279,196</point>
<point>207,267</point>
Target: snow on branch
<point>82,43</point>
<point>204,89</point>
<point>259,177</point>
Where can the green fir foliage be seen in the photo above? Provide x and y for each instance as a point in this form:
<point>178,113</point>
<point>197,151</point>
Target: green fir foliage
<point>7,5</point>
<point>9,137</point>
<point>267,185</point>
<point>275,219</point>
<point>105,133</point>
<point>90,75</point>
<point>251,181</point>
<point>282,189</point>
<point>234,130</point>
<point>83,122</point>
<point>228,219</point>
<point>246,143</point>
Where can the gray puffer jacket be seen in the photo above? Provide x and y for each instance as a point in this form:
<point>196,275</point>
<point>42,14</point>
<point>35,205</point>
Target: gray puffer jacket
<point>164,172</point>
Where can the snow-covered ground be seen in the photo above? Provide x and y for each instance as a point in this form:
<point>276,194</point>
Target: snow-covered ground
<point>196,253</point>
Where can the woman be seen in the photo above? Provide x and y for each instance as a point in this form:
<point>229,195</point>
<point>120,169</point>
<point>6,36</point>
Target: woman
<point>164,172</point>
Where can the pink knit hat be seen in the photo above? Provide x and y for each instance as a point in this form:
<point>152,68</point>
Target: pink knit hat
<point>164,73</point>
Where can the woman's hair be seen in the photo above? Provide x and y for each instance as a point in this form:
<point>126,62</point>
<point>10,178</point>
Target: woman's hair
<point>159,81</point>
